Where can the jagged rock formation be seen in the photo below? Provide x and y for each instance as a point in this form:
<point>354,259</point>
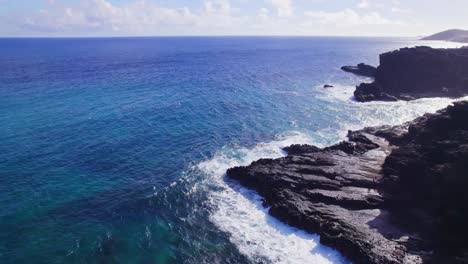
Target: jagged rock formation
<point>387,195</point>
<point>412,73</point>
<point>455,35</point>
<point>361,69</point>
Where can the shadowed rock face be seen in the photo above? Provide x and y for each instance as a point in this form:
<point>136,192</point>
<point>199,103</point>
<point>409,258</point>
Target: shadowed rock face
<point>387,195</point>
<point>412,73</point>
<point>426,180</point>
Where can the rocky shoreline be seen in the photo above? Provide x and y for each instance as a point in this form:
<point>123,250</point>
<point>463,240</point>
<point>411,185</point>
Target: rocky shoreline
<point>413,73</point>
<point>386,195</point>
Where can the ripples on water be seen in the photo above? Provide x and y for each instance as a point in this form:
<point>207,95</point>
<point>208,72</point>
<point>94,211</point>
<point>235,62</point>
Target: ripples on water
<point>114,150</point>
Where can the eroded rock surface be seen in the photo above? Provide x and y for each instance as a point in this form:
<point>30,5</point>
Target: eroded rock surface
<point>387,195</point>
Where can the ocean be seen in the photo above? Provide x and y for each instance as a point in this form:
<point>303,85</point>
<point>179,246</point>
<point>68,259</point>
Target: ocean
<point>114,150</point>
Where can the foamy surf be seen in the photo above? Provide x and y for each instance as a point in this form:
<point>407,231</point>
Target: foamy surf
<point>378,113</point>
<point>337,92</point>
<point>239,211</point>
<point>393,113</point>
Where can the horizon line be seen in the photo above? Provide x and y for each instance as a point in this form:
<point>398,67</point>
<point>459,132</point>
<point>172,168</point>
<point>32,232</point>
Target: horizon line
<point>201,36</point>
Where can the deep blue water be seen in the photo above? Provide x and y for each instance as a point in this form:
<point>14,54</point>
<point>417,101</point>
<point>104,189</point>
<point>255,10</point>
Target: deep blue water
<point>113,150</point>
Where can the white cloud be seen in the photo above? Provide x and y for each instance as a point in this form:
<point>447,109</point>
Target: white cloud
<point>211,17</point>
<point>349,17</point>
<point>102,15</point>
<point>397,7</point>
<point>218,7</point>
<point>284,8</point>
<point>364,4</point>
<point>399,10</point>
<point>136,18</point>
<point>263,13</point>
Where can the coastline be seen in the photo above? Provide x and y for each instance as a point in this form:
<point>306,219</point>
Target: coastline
<point>342,191</point>
<point>233,201</point>
<point>131,130</point>
<point>336,216</point>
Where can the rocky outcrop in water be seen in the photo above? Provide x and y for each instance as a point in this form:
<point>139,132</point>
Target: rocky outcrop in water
<point>386,195</point>
<point>361,69</point>
<point>412,73</point>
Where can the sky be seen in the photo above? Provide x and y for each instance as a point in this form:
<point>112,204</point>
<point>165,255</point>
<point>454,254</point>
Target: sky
<point>91,18</point>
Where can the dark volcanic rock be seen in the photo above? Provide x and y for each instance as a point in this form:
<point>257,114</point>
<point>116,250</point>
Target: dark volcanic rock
<point>387,195</point>
<point>361,69</point>
<point>300,149</point>
<point>426,179</point>
<point>412,73</point>
<point>367,92</point>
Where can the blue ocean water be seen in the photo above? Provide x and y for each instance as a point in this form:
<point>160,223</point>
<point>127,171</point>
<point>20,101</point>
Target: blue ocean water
<point>114,150</point>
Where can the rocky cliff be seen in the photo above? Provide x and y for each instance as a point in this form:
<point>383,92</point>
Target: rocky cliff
<point>412,73</point>
<point>387,195</point>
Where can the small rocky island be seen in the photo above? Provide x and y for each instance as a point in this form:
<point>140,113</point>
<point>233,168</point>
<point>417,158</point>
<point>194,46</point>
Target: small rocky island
<point>387,195</point>
<point>412,73</point>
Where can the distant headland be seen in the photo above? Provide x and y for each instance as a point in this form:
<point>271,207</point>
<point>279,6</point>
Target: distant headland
<point>454,35</point>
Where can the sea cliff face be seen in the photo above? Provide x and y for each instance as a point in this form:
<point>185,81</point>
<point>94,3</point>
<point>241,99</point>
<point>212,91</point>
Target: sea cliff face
<point>386,195</point>
<point>412,73</point>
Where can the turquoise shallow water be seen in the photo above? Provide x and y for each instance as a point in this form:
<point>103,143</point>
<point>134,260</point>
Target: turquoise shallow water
<point>114,150</point>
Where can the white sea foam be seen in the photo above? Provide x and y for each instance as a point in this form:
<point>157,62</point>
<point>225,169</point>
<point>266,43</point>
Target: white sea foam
<point>239,211</point>
<point>393,113</point>
<point>337,92</point>
<point>381,113</point>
